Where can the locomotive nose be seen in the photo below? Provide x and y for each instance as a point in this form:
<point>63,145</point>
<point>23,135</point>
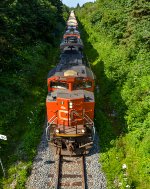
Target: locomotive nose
<point>70,109</point>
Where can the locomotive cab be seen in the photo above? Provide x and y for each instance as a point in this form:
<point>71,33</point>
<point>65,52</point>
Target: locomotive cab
<point>71,41</point>
<point>70,111</point>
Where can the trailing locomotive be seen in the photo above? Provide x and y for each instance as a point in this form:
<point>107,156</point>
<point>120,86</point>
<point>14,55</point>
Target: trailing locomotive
<point>70,100</point>
<point>72,20</point>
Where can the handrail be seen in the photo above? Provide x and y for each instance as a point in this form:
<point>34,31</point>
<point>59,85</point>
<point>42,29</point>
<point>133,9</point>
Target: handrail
<point>51,118</point>
<point>48,125</point>
<point>88,119</point>
<point>93,138</point>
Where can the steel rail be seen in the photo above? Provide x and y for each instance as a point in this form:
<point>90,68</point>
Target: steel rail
<point>58,173</point>
<point>58,183</point>
<point>83,172</point>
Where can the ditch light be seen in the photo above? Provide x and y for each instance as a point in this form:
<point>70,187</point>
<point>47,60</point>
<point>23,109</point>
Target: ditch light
<point>70,104</point>
<point>57,131</point>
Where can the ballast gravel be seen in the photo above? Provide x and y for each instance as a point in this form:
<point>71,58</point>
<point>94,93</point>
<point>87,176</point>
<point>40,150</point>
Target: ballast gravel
<point>43,172</point>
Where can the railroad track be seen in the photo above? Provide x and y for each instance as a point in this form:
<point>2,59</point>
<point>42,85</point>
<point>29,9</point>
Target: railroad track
<point>70,172</point>
<point>45,168</point>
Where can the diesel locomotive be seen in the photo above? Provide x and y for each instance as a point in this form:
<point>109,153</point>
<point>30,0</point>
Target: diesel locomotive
<point>70,100</point>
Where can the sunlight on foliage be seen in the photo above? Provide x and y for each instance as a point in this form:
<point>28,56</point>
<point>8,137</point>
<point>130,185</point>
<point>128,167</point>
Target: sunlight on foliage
<point>117,41</point>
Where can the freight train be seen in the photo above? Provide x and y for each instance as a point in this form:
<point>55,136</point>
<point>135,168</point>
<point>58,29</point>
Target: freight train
<point>70,100</point>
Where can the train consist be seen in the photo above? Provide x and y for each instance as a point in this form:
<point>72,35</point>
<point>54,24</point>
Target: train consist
<point>70,100</point>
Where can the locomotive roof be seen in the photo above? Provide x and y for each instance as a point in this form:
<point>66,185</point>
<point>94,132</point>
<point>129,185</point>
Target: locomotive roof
<point>71,27</point>
<point>71,17</point>
<point>72,20</point>
<point>74,31</point>
<point>72,24</point>
<point>82,71</point>
<point>71,41</point>
<point>72,60</point>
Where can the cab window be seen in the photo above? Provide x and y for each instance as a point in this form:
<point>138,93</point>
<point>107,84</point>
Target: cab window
<point>82,85</point>
<point>59,85</point>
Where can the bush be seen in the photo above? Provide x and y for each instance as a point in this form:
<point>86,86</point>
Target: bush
<point>118,34</point>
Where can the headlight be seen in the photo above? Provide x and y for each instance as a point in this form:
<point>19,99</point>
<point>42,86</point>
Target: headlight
<point>70,104</point>
<point>83,130</point>
<point>57,131</point>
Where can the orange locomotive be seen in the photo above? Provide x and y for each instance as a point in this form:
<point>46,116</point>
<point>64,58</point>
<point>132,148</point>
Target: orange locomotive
<point>71,38</point>
<point>70,103</point>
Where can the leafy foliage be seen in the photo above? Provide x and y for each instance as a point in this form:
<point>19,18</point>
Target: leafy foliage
<point>118,33</point>
<point>30,31</point>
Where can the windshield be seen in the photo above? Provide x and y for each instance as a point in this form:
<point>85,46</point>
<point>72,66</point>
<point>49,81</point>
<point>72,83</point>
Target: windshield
<point>82,85</point>
<point>59,85</point>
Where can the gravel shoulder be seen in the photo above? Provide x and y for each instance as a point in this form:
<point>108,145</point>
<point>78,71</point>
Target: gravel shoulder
<point>44,170</point>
